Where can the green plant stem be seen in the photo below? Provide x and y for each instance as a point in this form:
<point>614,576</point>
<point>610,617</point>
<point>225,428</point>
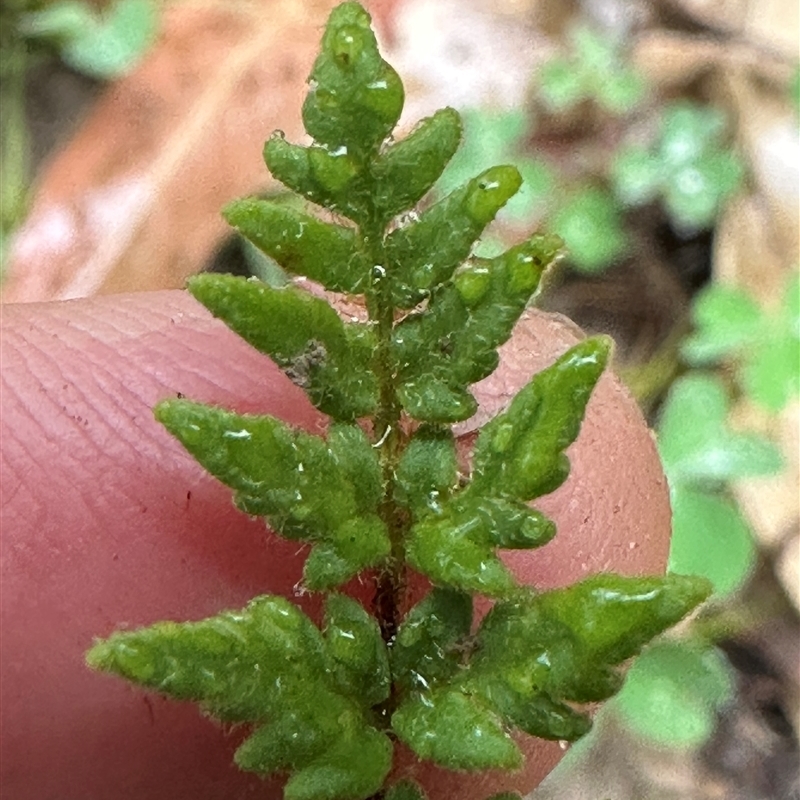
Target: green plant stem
<point>390,583</point>
<point>649,381</point>
<point>390,440</point>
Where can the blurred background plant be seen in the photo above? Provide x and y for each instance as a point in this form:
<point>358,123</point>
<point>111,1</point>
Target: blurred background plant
<point>668,153</point>
<point>100,43</point>
<point>658,137</point>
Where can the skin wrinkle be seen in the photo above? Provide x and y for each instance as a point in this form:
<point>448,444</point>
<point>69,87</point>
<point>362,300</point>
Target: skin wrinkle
<point>78,326</point>
<point>26,353</point>
<point>161,348</point>
<point>9,495</point>
<point>93,435</point>
<point>128,406</point>
<point>137,324</point>
<point>113,410</point>
<point>50,364</point>
<point>112,400</point>
<point>177,452</point>
<point>34,509</point>
<point>598,450</point>
<point>27,462</point>
<point>119,399</point>
<point>208,354</point>
<point>141,329</point>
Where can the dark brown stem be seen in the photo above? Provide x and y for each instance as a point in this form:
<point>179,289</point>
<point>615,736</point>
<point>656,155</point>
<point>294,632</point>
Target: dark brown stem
<point>390,439</point>
<point>390,582</point>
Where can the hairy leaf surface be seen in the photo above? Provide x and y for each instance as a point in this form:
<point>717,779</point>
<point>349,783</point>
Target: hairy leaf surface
<point>352,768</point>
<point>444,547</point>
<point>332,179</point>
<point>302,244</point>
<point>455,730</point>
<point>265,664</point>
<point>292,478</point>
<point>537,652</point>
<point>428,470</point>
<point>534,655</point>
<point>426,647</point>
<point>406,790</point>
<point>357,656</point>
<point>327,358</point>
<point>456,546</point>
<point>520,453</point>
<point>453,342</point>
<point>425,253</point>
<point>410,167</point>
<point>355,97</point>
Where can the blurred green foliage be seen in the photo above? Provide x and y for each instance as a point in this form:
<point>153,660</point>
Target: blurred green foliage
<point>595,69</point>
<point>763,347</point>
<point>675,690</point>
<point>496,138</point>
<point>687,167</point>
<point>101,44</point>
<point>591,226</point>
<point>700,455</point>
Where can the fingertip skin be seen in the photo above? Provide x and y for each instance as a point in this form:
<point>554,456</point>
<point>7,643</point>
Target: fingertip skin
<point>107,522</point>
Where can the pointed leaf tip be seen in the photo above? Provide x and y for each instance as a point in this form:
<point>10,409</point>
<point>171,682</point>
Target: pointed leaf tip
<point>520,453</point>
<point>616,615</point>
<point>324,356</point>
<point>491,191</point>
<point>217,661</point>
<point>424,254</point>
<point>330,178</point>
<point>410,167</point>
<point>453,342</point>
<point>295,479</point>
<point>441,547</point>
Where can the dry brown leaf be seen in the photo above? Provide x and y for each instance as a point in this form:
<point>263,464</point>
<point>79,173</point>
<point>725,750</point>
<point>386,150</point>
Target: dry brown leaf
<point>132,202</point>
<point>772,504</point>
<point>463,53</point>
<point>725,15</point>
<point>775,23</point>
<point>788,570</point>
<point>758,237</point>
<point>772,24</point>
<point>747,251</point>
<point>670,59</point>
